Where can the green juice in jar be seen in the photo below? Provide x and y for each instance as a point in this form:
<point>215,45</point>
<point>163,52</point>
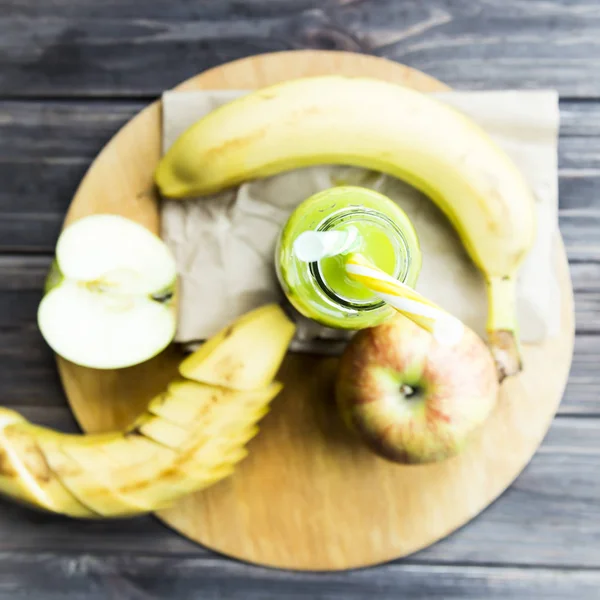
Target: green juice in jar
<point>321,290</point>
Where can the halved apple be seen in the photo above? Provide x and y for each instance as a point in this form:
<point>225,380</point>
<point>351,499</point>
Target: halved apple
<point>108,301</point>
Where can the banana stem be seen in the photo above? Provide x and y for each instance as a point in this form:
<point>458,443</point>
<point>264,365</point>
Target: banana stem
<point>502,314</point>
<point>502,326</point>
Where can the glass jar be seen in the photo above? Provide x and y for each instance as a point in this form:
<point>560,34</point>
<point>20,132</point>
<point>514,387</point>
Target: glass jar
<point>321,290</point>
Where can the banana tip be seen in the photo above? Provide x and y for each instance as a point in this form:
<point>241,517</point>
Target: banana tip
<point>505,351</point>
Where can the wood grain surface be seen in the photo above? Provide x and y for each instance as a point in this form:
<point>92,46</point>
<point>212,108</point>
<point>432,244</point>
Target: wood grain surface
<point>73,71</point>
<point>114,48</point>
<point>290,497</point>
<point>59,139</point>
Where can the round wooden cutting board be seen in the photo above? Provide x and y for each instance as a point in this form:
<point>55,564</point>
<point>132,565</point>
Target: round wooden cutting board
<point>309,496</point>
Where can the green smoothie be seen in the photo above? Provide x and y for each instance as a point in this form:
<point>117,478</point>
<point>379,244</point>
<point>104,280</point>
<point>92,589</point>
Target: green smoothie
<point>321,290</point>
<point>374,243</point>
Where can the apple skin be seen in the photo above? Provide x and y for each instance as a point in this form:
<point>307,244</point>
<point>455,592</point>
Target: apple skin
<point>455,390</point>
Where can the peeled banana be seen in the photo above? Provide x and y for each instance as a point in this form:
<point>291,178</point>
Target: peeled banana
<point>190,437</point>
<point>215,363</point>
<point>382,126</point>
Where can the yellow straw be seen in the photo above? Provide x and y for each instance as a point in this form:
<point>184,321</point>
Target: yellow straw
<point>445,328</point>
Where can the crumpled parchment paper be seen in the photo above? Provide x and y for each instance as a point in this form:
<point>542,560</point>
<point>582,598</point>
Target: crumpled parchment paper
<point>224,244</point>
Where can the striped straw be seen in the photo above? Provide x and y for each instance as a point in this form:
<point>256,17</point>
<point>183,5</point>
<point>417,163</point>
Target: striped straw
<point>446,329</point>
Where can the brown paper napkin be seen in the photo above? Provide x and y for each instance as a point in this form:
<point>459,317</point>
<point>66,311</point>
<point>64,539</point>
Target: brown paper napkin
<point>224,244</point>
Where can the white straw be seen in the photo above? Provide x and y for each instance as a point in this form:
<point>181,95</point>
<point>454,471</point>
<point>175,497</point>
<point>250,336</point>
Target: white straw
<point>311,246</point>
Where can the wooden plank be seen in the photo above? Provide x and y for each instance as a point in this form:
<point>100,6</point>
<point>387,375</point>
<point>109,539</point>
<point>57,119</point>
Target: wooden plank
<point>27,368</point>
<point>45,149</point>
<point>65,47</point>
<point>164,9</point>
<point>22,279</point>
<point>26,230</point>
<point>71,128</point>
<point>28,373</point>
<point>586,286</point>
<point>531,515</point>
<point>65,129</point>
<point>549,514</point>
<point>69,131</point>
<point>579,155</point>
<point>145,577</point>
<point>581,394</point>
<point>580,231</point>
<point>580,118</point>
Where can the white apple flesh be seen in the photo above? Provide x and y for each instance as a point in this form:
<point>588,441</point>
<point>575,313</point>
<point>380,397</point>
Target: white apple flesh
<point>410,398</point>
<point>107,303</point>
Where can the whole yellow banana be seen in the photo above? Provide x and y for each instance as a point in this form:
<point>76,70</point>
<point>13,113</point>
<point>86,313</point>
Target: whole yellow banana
<point>385,127</point>
<point>190,437</point>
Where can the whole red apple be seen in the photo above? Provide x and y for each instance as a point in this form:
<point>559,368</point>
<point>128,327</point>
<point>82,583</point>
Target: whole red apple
<point>411,399</point>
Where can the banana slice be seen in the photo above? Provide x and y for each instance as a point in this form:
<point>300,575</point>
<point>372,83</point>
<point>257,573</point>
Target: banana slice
<point>161,431</point>
<point>89,473</point>
<point>86,485</point>
<point>225,359</point>
<point>190,404</point>
<point>30,477</point>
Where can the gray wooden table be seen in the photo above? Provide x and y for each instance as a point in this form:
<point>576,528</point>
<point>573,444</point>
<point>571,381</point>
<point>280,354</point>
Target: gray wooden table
<point>73,71</point>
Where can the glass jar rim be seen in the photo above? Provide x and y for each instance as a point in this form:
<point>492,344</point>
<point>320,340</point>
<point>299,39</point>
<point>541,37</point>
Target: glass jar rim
<point>332,221</point>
